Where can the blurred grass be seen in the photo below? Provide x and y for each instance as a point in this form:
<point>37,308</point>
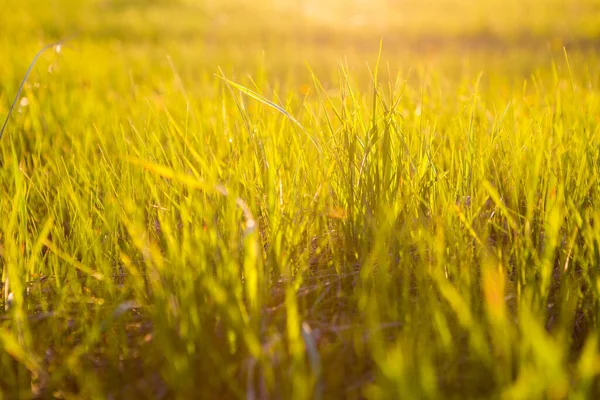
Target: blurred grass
<point>251,199</point>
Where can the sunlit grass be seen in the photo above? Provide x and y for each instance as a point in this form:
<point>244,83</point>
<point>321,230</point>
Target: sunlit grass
<point>199,204</point>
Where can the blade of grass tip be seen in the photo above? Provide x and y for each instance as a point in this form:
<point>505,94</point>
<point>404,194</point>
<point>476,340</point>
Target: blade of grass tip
<point>571,81</point>
<point>373,135</point>
<point>22,85</point>
<point>471,133</point>
<point>252,94</point>
<point>239,106</point>
<point>569,69</point>
<point>321,90</point>
<point>375,77</point>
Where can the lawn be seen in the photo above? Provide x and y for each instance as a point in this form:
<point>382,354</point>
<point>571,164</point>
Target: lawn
<point>300,199</point>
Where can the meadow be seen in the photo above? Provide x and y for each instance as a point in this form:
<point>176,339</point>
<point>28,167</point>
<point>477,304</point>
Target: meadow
<point>300,199</point>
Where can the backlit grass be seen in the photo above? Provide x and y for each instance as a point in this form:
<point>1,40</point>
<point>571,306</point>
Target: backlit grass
<point>204,199</point>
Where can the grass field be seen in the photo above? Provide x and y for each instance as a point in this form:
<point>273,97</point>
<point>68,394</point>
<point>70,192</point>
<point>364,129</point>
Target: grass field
<point>300,199</point>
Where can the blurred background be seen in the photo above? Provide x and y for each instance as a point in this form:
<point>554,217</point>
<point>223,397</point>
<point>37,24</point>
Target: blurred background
<point>224,30</point>
<point>404,20</point>
<point>274,40</point>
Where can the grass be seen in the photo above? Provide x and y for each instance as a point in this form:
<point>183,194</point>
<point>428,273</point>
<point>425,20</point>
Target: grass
<point>205,200</point>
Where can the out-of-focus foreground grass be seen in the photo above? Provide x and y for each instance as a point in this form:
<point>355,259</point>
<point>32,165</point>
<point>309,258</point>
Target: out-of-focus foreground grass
<point>228,199</point>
